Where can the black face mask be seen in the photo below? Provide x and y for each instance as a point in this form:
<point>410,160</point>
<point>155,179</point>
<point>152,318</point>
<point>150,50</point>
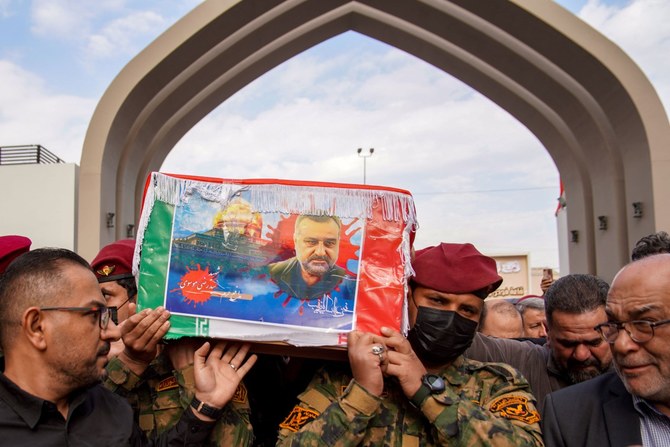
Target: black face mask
<point>439,336</point>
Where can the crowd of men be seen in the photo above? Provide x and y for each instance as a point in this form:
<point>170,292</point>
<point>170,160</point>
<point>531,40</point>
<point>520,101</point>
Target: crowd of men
<point>585,364</point>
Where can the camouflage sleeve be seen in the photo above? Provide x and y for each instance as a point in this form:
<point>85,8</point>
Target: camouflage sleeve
<point>234,426</point>
<point>505,417</point>
<point>329,413</point>
<point>120,379</point>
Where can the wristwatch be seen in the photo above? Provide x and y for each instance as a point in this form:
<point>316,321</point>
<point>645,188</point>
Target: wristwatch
<point>430,384</point>
<point>205,409</point>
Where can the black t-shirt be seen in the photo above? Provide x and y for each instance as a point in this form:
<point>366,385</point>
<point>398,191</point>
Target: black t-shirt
<point>97,417</point>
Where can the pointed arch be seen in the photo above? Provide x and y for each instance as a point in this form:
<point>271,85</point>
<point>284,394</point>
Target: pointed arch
<point>584,99</point>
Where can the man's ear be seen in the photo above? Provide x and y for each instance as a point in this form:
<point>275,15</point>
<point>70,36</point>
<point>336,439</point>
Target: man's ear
<point>33,326</point>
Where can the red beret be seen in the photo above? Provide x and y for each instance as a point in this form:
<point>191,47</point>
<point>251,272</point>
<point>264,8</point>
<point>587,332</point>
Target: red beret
<point>455,268</point>
<point>115,261</point>
<point>10,248</point>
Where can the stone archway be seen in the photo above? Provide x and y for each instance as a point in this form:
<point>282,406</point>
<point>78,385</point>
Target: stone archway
<point>585,100</point>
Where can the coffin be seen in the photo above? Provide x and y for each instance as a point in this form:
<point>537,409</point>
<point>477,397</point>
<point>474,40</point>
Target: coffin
<point>274,261</point>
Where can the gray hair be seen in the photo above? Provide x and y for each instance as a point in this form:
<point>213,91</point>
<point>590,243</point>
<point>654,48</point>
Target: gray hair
<point>530,303</point>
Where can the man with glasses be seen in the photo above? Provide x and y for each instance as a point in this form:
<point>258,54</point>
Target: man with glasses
<point>55,332</point>
<point>631,407</point>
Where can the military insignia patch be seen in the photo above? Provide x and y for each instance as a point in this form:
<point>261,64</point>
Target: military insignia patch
<point>167,384</point>
<point>515,407</point>
<point>297,418</point>
<point>240,395</point>
<point>106,270</point>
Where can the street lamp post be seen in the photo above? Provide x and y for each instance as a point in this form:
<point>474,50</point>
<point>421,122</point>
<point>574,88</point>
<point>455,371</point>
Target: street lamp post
<point>365,158</point>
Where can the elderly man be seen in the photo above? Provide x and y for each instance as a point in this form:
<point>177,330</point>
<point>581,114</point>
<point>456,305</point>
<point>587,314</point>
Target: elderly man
<point>631,407</point>
<point>420,390</point>
<point>501,319</point>
<point>574,351</point>
<point>56,332</point>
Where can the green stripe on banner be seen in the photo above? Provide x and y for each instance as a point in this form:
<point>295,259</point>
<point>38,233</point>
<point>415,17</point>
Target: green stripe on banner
<point>154,263</point>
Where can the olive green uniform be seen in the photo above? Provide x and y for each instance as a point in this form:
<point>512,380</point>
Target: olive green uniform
<point>160,395</point>
<point>484,404</point>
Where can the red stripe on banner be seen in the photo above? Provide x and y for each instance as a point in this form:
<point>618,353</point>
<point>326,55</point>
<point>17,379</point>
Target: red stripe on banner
<point>381,283</point>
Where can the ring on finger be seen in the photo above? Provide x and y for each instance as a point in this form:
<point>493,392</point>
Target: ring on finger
<point>381,358</point>
<point>232,366</point>
<point>378,350</point>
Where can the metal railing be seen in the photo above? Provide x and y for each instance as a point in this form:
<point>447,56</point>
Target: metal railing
<point>28,154</point>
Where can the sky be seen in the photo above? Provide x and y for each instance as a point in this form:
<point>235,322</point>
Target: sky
<point>495,187</point>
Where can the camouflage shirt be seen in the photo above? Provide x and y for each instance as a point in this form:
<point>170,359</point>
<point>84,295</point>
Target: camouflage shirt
<point>484,404</point>
<point>160,396</point>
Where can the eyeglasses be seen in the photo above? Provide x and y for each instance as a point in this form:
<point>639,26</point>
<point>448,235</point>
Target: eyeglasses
<point>106,313</point>
<point>639,331</point>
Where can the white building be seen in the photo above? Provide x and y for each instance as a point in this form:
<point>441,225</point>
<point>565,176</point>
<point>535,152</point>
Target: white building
<point>39,197</point>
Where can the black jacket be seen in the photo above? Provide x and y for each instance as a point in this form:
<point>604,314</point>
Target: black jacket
<point>598,412</point>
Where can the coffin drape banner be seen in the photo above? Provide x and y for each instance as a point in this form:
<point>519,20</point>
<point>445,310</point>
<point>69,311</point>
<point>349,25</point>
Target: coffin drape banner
<point>274,260</point>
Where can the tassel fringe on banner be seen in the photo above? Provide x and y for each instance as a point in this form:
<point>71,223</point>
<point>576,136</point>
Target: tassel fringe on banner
<point>288,199</point>
<point>272,198</point>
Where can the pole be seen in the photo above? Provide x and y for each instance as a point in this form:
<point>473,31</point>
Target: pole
<point>365,159</point>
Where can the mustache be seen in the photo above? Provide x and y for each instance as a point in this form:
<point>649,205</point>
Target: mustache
<point>586,363</point>
<point>634,363</point>
<point>318,258</point>
<point>105,349</point>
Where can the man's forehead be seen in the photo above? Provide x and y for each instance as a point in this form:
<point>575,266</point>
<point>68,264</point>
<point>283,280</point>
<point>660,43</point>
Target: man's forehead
<point>577,322</point>
<point>111,286</point>
<point>84,286</point>
<point>630,292</point>
<point>652,271</point>
<point>582,333</point>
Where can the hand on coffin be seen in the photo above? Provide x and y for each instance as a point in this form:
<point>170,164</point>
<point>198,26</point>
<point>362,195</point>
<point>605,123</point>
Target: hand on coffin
<point>367,357</point>
<point>141,334</point>
<point>219,371</point>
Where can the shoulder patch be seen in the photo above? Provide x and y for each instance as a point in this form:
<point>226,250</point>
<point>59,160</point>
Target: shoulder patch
<point>515,407</point>
<point>298,417</point>
<point>167,384</point>
<point>240,395</point>
<point>502,370</point>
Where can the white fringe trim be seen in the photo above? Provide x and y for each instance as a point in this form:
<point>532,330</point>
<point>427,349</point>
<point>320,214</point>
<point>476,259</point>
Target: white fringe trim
<point>149,200</point>
<point>275,198</point>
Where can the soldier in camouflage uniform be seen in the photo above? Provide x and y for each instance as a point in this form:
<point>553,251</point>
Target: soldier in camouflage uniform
<point>159,388</point>
<point>162,393</point>
<point>420,390</point>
